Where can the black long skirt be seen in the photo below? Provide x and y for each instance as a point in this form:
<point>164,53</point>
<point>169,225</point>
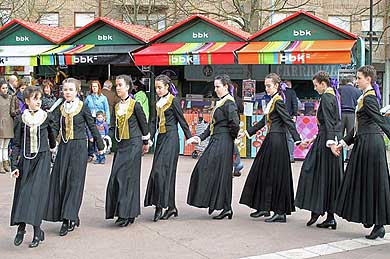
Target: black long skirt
<point>320,178</point>
<point>31,190</point>
<point>364,195</point>
<point>162,179</point>
<point>123,188</point>
<point>67,181</point>
<point>269,185</point>
<point>211,179</point>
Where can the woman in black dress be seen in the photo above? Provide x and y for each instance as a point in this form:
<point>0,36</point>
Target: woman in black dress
<point>132,134</point>
<point>364,195</point>
<point>321,172</point>
<point>160,191</point>
<point>211,179</point>
<point>68,174</point>
<point>269,186</point>
<point>31,142</point>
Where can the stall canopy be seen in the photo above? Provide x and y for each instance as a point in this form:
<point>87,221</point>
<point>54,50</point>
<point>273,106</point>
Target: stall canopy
<point>21,42</point>
<point>194,41</point>
<point>301,38</point>
<point>103,41</point>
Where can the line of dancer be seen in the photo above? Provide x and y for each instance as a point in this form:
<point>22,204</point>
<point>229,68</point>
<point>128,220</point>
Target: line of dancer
<point>360,195</point>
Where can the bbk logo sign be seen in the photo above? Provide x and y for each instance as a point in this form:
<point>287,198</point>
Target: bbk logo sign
<point>302,33</point>
<point>84,59</point>
<point>294,58</point>
<point>22,38</point>
<point>200,35</point>
<point>3,60</point>
<point>104,37</point>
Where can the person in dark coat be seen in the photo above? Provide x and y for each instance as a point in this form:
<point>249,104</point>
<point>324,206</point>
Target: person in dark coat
<point>161,186</point>
<point>292,108</point>
<point>349,95</point>
<point>321,172</point>
<point>67,179</point>
<point>211,180</point>
<point>48,98</point>
<point>130,129</point>
<point>237,164</point>
<point>269,185</point>
<point>364,195</point>
<point>33,139</point>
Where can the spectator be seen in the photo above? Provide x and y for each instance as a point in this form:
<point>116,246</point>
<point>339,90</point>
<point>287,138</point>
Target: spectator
<point>292,108</point>
<point>139,92</point>
<point>12,85</point>
<point>102,127</point>
<point>237,164</point>
<point>111,96</point>
<point>48,98</point>
<point>6,129</point>
<point>349,95</point>
<point>17,102</point>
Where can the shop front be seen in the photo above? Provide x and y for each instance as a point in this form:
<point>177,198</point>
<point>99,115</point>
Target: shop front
<point>296,48</point>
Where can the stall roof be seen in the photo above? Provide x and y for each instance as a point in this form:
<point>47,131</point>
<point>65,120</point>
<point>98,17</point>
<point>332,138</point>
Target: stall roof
<point>136,34</point>
<point>220,30</point>
<point>19,32</point>
<point>302,25</point>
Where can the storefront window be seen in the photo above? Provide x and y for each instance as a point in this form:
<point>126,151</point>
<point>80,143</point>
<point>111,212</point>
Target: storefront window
<point>343,22</point>
<point>377,27</point>
<point>81,19</point>
<point>51,19</point>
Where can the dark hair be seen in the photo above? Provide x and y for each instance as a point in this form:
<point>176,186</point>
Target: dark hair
<point>100,113</point>
<point>225,80</point>
<point>127,79</point>
<point>370,71</point>
<point>167,81</point>
<point>99,87</point>
<point>31,91</point>
<point>3,82</point>
<point>348,79</point>
<point>322,76</point>
<point>21,83</point>
<point>140,85</point>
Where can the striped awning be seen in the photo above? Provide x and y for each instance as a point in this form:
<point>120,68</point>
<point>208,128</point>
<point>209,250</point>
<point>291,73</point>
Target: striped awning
<point>22,55</point>
<point>88,54</point>
<point>297,52</point>
<point>163,54</point>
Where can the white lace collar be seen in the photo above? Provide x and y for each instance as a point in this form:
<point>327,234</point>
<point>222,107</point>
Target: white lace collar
<point>123,105</point>
<point>163,100</point>
<point>70,107</point>
<point>34,119</point>
<point>269,105</point>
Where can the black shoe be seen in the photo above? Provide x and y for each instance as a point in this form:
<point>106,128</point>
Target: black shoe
<point>277,218</point>
<point>224,214</point>
<point>119,221</point>
<point>37,239</point>
<point>260,213</point>
<point>367,225</point>
<point>237,174</point>
<point>328,224</point>
<point>169,213</point>
<point>313,219</point>
<point>377,231</point>
<point>292,161</point>
<point>73,224</point>
<point>126,222</point>
<point>157,214</point>
<point>19,237</point>
<point>64,228</point>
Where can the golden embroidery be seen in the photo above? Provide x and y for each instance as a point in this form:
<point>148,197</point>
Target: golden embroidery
<point>219,103</point>
<point>122,121</point>
<point>68,117</point>
<point>273,100</point>
<point>161,114</point>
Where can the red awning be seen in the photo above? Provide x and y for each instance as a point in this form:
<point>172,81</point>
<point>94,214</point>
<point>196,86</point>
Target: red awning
<point>164,54</point>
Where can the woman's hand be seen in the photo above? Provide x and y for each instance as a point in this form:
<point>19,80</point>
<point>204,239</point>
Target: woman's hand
<point>241,135</point>
<point>336,149</point>
<point>145,149</point>
<point>15,173</point>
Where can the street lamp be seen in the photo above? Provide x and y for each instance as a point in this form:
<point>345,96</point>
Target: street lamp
<point>370,33</point>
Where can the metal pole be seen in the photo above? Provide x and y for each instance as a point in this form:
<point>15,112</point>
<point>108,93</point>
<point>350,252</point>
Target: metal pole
<point>109,72</point>
<point>370,33</point>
